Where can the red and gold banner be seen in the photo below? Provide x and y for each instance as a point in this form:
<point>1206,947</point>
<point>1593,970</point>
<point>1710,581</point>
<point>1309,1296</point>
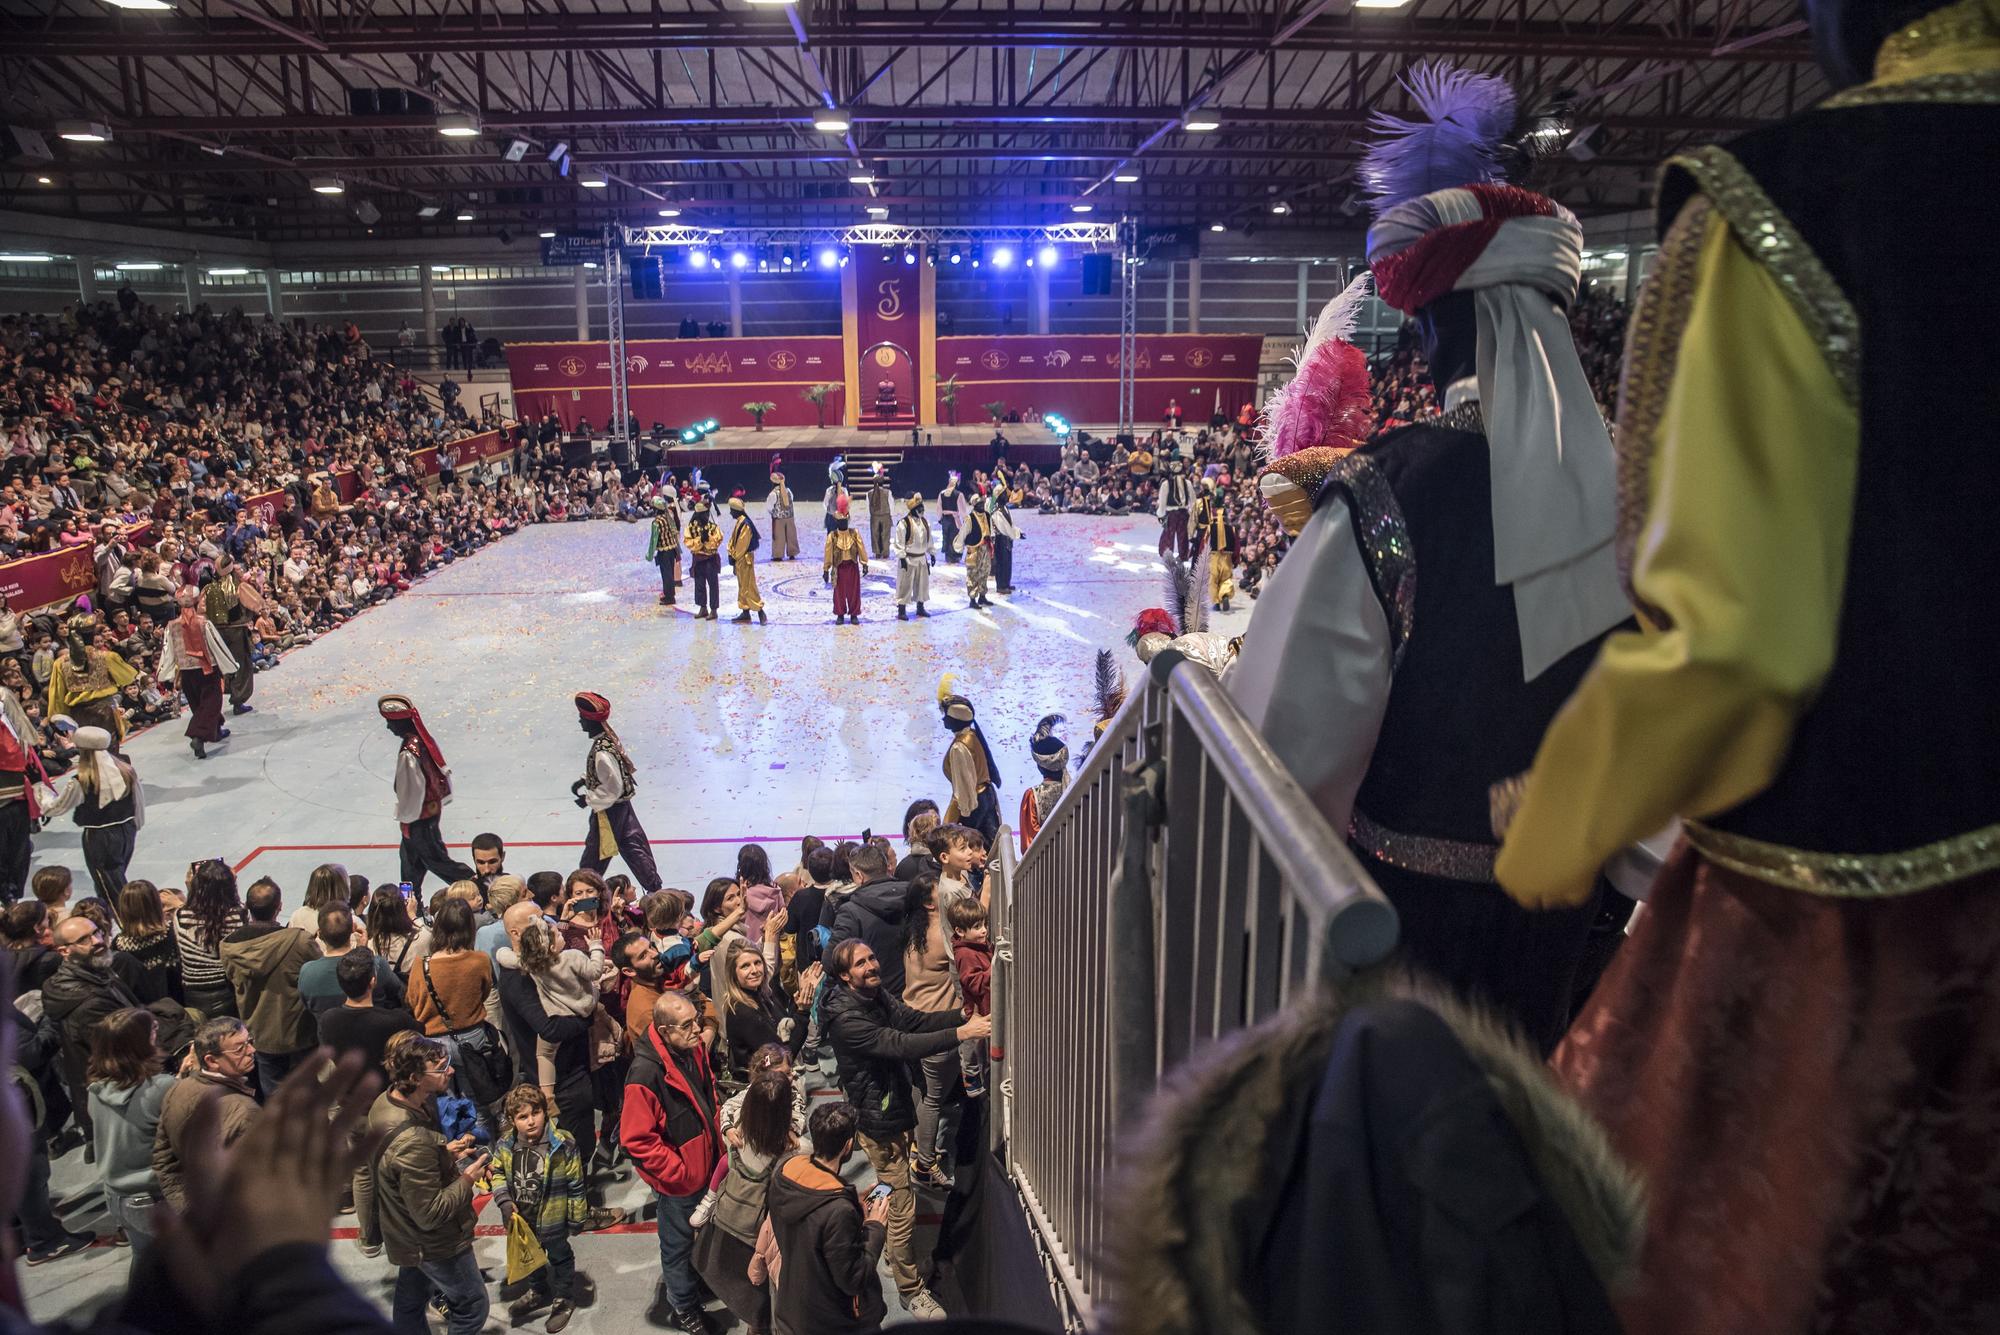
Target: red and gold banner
<point>676,381</point>
<point>889,327</point>
<point>1076,375</point>
<point>56,577</point>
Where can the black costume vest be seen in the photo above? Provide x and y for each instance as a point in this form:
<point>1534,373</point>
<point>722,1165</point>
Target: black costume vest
<point>1459,718</point>
<point>1871,220</point>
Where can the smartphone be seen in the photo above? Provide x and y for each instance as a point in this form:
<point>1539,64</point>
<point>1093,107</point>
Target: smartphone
<point>882,1189</point>
<point>583,904</point>
<point>405,887</point>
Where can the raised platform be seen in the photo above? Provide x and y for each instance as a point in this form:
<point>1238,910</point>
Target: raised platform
<point>737,457</point>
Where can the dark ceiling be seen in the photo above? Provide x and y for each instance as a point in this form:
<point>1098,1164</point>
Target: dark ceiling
<point>223,113</point>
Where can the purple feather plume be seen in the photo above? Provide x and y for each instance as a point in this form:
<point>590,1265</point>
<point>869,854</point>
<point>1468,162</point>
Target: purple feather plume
<point>1466,116</point>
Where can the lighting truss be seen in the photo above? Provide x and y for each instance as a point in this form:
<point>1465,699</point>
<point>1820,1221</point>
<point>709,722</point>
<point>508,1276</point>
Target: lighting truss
<point>876,234</point>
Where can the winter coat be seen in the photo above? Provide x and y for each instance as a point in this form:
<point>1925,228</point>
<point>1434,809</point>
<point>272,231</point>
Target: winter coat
<point>875,1039</point>
<point>77,996</point>
<point>830,1285</point>
<point>673,1138</point>
<point>875,914</point>
<point>235,1109</point>
<point>263,962</point>
<point>158,960</point>
<point>1437,1182</point>
<point>126,1119</point>
<point>561,1208</point>
<point>975,975</point>
<point>411,1197</point>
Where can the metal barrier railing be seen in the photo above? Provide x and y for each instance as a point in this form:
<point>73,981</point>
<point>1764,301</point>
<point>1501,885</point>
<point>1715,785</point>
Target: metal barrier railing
<point>1184,887</point>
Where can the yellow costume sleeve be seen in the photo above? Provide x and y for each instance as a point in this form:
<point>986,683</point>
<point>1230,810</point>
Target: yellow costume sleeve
<point>1744,552</point>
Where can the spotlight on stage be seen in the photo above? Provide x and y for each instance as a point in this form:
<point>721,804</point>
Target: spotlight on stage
<point>955,257</point>
<point>786,259</point>
<point>1003,257</point>
<point>1056,423</point>
<point>739,260</point>
<point>828,258</point>
<point>1048,255</point>
<point>690,437</point>
<point>909,256</point>
<point>697,259</point>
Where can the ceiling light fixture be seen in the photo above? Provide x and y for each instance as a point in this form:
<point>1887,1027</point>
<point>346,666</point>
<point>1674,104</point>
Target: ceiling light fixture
<point>25,259</point>
<point>429,211</point>
<point>878,210</point>
<point>1281,208</point>
<point>227,273</point>
<point>328,185</point>
<point>1079,208</point>
<point>139,266</point>
<point>832,122</point>
<point>1126,178</point>
<point>591,180</point>
<point>1200,122</point>
<point>670,213</point>
<point>458,125</point>
<point>547,234</point>
<point>45,180</point>
<point>861,178</point>
<point>465,215</point>
<point>138,4</point>
<point>1217,227</point>
<point>1380,4</point>
<point>83,132</point>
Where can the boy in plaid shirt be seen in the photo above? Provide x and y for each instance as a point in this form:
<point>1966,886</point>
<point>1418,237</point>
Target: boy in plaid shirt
<point>537,1171</point>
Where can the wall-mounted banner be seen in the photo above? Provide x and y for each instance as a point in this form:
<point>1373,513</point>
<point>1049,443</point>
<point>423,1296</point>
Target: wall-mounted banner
<point>889,329</point>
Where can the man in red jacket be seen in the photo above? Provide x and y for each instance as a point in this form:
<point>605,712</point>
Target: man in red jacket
<point>669,1127</point>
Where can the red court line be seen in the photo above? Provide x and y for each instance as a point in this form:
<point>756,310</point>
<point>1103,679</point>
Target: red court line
<point>262,849</point>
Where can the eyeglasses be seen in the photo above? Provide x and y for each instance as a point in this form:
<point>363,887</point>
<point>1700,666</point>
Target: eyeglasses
<point>442,1068</point>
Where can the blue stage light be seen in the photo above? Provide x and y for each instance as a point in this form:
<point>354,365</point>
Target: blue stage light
<point>1048,255</point>
<point>697,259</point>
<point>709,425</point>
<point>828,258</point>
<point>1003,256</point>
<point>739,260</point>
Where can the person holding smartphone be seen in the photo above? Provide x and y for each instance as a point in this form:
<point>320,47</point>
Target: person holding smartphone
<point>829,1238</point>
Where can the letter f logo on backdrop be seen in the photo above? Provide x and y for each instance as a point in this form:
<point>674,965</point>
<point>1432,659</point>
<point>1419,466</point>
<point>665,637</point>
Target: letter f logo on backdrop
<point>890,307</point>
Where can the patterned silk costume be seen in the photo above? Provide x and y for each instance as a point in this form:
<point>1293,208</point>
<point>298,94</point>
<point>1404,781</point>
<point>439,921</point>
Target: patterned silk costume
<point>90,694</point>
<point>912,541</point>
<point>423,786</point>
<point>1799,1044</point>
<point>663,545</point>
<point>704,544</point>
<point>1051,755</point>
<point>743,537</point>
<point>845,562</point>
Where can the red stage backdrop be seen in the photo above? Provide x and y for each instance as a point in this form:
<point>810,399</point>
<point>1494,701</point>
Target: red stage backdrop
<point>1076,375</point>
<point>678,381</point>
<point>888,313</point>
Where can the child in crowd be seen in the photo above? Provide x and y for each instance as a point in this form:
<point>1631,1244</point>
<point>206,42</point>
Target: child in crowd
<point>972,950</point>
<point>51,885</point>
<point>565,980</point>
<point>770,1057</point>
<point>538,1174</point>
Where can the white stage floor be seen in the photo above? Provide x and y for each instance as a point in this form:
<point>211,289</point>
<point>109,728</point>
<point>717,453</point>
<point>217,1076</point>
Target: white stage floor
<point>739,732</point>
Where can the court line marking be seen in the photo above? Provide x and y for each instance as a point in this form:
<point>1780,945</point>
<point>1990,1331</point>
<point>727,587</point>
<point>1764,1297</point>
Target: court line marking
<point>262,849</point>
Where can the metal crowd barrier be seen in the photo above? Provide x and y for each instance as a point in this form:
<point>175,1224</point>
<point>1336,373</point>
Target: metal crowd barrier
<point>1184,887</point>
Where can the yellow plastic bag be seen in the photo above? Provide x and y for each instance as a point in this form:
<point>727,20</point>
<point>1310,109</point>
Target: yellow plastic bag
<point>524,1250</point>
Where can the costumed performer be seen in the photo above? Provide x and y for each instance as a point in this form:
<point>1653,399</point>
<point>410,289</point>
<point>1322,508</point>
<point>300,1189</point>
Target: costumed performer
<point>1458,575</point>
<point>948,500</point>
<point>846,562</point>
<point>233,606</point>
<point>607,787</point>
<point>663,543</point>
<point>784,523</point>
<point>194,655</point>
<point>968,767</point>
<point>704,544</point>
<point>1051,755</point>
<point>912,541</point>
<point>20,770</point>
<point>743,540</point>
<point>422,786</point>
<point>978,552</point>
<point>1799,1043</point>
<point>104,792</point>
<point>84,681</point>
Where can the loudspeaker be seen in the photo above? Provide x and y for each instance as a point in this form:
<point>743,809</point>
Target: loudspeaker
<point>363,102</point>
<point>1096,275</point>
<point>648,284</point>
<point>392,101</point>
<point>367,213</point>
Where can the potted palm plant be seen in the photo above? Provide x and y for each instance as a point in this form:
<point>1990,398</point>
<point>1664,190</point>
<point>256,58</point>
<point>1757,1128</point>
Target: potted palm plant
<point>757,409</point>
<point>995,410</point>
<point>948,395</point>
<point>816,396</point>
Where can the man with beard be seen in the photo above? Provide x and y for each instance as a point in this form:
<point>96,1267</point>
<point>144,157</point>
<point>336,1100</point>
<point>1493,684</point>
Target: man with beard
<point>875,1039</point>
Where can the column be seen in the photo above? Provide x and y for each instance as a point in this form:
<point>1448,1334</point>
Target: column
<point>1194,296</point>
<point>86,278</point>
<point>1040,283</point>
<point>427,295</point>
<point>1171,266</point>
<point>273,292</point>
<point>582,303</point>
<point>735,303</point>
<point>1299,322</point>
<point>191,283</point>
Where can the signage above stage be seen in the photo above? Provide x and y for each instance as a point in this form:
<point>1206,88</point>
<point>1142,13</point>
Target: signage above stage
<point>568,251</point>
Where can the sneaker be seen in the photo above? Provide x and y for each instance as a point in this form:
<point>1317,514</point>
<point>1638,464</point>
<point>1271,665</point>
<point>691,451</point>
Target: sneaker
<point>603,1217</point>
<point>559,1316</point>
<point>440,1307</point>
<point>120,1239</point>
<point>702,1210</point>
<point>524,1307</point>
<point>929,1175</point>
<point>370,1248</point>
<point>923,1307</point>
<point>69,1245</point>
